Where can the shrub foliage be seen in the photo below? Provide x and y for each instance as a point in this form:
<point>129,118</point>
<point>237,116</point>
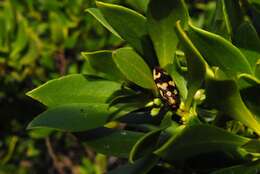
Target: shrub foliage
<point>214,64</point>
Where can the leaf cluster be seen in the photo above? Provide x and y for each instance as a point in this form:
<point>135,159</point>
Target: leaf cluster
<point>215,66</point>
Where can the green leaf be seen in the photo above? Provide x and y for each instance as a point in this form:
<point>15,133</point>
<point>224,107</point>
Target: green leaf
<point>10,17</point>
<point>257,69</point>
<point>40,133</point>
<point>227,18</point>
<point>161,19</point>
<point>142,166</point>
<point>246,38</point>
<point>249,79</point>
<point>178,78</point>
<point>89,3</point>
<point>31,55</point>
<point>197,66</point>
<point>139,5</point>
<point>95,12</point>
<point>225,96</point>
<point>131,26</point>
<point>138,99</point>
<point>219,52</point>
<point>145,145</point>
<point>117,143</point>
<point>103,65</point>
<point>255,9</point>
<point>251,97</point>
<point>249,168</point>
<point>139,117</point>
<point>3,34</point>
<point>21,40</point>
<point>252,146</point>
<point>72,117</point>
<point>73,89</point>
<point>234,14</point>
<point>220,23</point>
<point>198,139</point>
<point>254,1</point>
<point>133,67</point>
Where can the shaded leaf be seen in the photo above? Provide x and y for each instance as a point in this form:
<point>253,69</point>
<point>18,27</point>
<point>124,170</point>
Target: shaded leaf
<point>225,96</point>
<point>198,139</point>
<point>255,10</point>
<point>234,14</point>
<point>220,23</point>
<point>254,1</point>
<point>103,65</point>
<point>145,145</point>
<point>257,69</point>
<point>139,117</point>
<point>142,166</point>
<point>246,38</point>
<point>138,99</point>
<point>227,18</point>
<point>21,40</point>
<point>251,97</point>
<point>250,168</point>
<point>117,143</point>
<point>72,117</point>
<point>139,5</point>
<point>252,146</point>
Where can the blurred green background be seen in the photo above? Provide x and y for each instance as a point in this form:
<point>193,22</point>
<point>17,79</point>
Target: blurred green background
<point>41,40</point>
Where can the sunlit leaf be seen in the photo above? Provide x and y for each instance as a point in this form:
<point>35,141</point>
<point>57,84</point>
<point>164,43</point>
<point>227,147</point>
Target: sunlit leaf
<point>73,89</point>
<point>219,52</point>
<point>161,19</point>
<point>197,66</point>
<point>131,26</point>
<point>133,67</point>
